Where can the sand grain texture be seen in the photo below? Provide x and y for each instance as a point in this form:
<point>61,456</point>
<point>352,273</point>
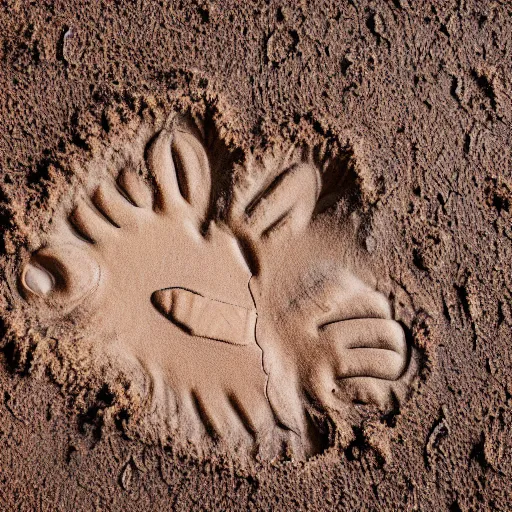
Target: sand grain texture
<point>255,256</point>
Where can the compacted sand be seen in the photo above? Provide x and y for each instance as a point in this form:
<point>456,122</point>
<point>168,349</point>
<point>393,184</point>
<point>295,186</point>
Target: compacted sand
<point>255,256</point>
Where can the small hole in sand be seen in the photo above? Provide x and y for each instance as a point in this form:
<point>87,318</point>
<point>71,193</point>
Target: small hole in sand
<point>38,280</point>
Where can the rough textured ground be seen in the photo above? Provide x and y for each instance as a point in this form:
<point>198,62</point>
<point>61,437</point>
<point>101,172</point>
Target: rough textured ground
<point>426,89</point>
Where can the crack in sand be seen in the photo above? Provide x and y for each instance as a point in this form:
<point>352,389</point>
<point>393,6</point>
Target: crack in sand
<point>265,371</point>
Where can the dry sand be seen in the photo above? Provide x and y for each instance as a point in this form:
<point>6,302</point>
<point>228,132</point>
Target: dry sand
<point>255,256</point>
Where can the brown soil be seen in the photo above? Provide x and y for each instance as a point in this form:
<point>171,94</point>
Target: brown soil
<point>255,256</point>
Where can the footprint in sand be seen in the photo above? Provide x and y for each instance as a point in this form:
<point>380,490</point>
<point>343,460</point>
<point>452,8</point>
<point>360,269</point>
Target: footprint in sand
<point>242,325</point>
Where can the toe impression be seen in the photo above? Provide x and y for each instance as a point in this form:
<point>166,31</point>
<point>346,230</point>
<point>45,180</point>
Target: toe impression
<point>367,348</point>
<point>63,275</point>
<point>205,317</point>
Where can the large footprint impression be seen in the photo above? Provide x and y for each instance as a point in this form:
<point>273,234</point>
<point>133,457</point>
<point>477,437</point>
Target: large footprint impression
<point>247,327</point>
